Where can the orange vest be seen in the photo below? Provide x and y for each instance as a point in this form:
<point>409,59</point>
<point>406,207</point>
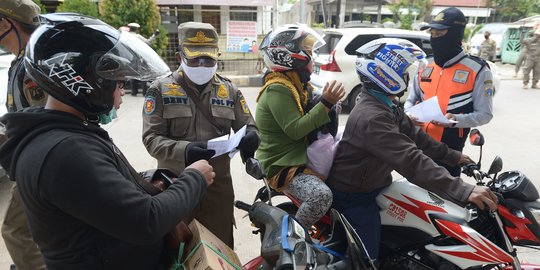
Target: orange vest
<point>453,87</point>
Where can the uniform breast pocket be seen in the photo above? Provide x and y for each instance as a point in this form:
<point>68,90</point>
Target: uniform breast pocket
<point>224,116</point>
<point>179,120</point>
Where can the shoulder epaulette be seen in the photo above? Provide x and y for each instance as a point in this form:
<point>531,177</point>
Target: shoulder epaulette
<point>478,60</point>
<point>223,78</point>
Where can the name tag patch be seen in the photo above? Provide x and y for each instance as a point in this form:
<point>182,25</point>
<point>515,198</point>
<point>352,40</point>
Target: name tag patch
<point>461,76</point>
<point>175,100</point>
<point>222,102</point>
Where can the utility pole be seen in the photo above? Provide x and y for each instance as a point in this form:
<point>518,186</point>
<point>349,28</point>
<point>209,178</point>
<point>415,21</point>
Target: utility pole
<point>323,8</point>
<point>276,5</point>
<point>302,12</point>
<point>340,10</point>
<point>338,13</point>
<point>379,10</point>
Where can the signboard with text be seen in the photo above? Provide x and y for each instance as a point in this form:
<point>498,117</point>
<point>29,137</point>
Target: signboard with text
<point>242,36</point>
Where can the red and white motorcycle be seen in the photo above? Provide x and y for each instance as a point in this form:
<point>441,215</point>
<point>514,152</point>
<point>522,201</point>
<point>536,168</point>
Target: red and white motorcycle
<point>420,230</point>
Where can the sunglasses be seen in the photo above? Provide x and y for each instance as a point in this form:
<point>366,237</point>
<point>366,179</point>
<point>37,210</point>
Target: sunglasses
<point>120,84</point>
<point>201,61</point>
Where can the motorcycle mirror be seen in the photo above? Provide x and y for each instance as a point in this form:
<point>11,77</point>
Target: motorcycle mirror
<point>476,138</point>
<point>254,168</point>
<point>496,165</point>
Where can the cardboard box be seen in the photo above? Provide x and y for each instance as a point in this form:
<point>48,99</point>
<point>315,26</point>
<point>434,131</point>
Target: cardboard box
<point>206,252</point>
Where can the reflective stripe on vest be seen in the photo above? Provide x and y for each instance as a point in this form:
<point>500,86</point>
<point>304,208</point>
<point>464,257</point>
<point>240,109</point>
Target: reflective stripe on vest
<point>453,87</point>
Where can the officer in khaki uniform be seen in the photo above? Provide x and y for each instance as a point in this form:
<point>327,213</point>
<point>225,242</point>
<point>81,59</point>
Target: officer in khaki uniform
<point>532,64</point>
<point>176,128</point>
<point>18,19</point>
<point>488,48</point>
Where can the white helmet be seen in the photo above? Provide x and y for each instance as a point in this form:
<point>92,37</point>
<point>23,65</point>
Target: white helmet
<point>389,62</point>
<point>288,47</point>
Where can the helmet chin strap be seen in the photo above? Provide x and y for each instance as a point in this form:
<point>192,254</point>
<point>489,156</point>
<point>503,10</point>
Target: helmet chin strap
<point>304,75</point>
<point>16,33</point>
<point>8,31</point>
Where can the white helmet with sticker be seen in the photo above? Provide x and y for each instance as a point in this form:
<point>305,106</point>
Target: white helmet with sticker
<point>389,62</point>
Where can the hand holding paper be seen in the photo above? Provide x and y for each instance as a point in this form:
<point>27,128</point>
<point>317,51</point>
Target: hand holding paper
<point>428,111</point>
<point>224,144</point>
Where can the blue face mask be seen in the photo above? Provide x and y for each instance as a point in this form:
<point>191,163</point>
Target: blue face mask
<point>108,117</point>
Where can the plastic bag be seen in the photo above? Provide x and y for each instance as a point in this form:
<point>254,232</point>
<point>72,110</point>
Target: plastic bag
<point>321,153</point>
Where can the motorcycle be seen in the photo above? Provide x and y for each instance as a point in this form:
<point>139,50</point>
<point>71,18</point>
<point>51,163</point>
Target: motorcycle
<point>285,244</point>
<point>420,230</point>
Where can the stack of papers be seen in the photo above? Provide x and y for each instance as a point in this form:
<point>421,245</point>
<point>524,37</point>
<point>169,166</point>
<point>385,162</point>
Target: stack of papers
<point>226,144</point>
<point>428,110</point>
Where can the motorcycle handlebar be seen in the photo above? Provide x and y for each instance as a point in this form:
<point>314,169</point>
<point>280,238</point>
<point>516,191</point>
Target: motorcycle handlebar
<point>469,168</point>
<point>242,206</point>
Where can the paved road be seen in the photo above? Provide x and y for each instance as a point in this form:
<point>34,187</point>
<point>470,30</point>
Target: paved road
<point>512,134</point>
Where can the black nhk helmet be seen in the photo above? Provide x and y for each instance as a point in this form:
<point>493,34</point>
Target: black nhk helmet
<point>79,60</point>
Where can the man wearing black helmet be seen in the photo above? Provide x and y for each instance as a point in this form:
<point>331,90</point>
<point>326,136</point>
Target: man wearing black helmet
<point>462,83</point>
<point>87,208</point>
<point>18,19</point>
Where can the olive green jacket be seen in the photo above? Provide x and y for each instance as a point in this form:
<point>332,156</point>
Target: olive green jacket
<point>283,129</point>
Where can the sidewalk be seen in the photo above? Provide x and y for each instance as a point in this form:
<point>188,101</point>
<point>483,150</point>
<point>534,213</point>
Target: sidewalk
<point>506,71</point>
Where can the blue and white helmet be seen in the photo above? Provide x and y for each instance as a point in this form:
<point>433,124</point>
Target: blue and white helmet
<point>389,63</point>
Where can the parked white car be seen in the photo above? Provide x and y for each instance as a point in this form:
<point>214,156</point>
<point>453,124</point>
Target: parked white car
<point>5,62</point>
<point>337,59</point>
<point>497,33</point>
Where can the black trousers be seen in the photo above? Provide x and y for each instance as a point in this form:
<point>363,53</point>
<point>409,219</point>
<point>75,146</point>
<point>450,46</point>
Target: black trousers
<point>135,87</point>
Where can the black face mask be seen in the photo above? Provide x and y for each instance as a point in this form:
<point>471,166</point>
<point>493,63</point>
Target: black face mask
<point>447,46</point>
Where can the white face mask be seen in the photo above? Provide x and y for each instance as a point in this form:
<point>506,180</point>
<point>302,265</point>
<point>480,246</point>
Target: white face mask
<point>199,75</point>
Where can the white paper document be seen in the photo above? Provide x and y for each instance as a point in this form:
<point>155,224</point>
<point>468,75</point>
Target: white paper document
<point>226,144</point>
<point>429,110</point>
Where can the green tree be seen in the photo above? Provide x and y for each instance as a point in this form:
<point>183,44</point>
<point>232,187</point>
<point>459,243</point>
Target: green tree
<point>85,7</point>
<point>41,6</point>
<point>406,21</point>
<point>425,7</point>
<point>144,12</point>
<point>394,8</point>
<point>422,7</point>
<point>512,10</point>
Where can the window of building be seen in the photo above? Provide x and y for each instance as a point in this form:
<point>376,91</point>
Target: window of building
<point>177,14</point>
<point>239,13</point>
<point>184,13</point>
<point>212,18</point>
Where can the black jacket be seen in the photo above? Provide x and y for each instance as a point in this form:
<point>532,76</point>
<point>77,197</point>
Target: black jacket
<point>84,207</point>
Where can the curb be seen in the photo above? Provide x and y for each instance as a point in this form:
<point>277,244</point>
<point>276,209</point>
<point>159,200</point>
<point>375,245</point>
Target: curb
<point>247,80</point>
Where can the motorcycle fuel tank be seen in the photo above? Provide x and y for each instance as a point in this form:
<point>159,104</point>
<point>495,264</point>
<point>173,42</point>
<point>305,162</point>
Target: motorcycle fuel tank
<point>404,204</point>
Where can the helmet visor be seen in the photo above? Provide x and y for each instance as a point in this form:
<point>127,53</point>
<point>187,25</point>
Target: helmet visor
<point>312,40</point>
<point>131,58</point>
<point>309,39</point>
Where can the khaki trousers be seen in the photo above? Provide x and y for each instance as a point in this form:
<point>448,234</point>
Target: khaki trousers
<point>531,65</point>
<point>21,246</point>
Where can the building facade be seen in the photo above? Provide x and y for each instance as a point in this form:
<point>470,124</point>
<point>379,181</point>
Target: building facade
<point>219,13</point>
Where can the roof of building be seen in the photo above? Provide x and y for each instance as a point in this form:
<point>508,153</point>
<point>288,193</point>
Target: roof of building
<point>217,2</point>
<point>460,3</point>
